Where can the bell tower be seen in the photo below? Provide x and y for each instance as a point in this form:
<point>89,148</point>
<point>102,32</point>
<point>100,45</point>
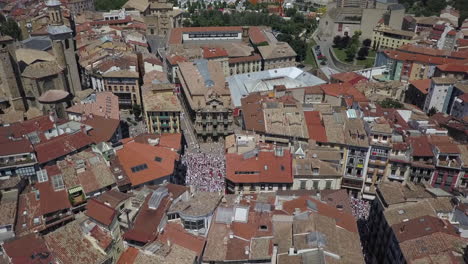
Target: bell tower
<point>63,46</point>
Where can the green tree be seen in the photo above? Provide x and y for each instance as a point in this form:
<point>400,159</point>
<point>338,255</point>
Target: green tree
<point>367,42</point>
<point>362,53</point>
<point>390,103</point>
<point>432,111</point>
<point>290,12</point>
<point>106,5</point>
<point>337,41</point>
<point>136,109</point>
<point>351,52</point>
<point>10,27</point>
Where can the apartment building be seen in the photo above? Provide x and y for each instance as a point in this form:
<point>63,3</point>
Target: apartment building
<point>17,158</point>
<point>385,37</point>
<point>439,94</point>
<point>161,108</point>
<point>125,84</point>
<point>357,154</point>
<point>311,173</point>
<point>277,55</point>
<point>206,95</point>
<point>380,135</point>
<point>394,208</point>
<point>259,171</point>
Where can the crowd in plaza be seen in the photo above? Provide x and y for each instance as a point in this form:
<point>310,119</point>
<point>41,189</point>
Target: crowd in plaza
<point>360,208</point>
<point>205,171</point>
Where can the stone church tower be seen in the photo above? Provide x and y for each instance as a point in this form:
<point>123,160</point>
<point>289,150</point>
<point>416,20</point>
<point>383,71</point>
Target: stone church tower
<point>63,45</point>
<point>10,81</point>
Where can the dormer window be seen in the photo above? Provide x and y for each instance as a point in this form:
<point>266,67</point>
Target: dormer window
<point>263,228</point>
<point>315,171</point>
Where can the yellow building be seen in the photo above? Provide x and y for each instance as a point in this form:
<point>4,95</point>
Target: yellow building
<point>385,37</point>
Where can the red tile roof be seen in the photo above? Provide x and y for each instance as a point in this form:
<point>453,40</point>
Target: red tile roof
<point>28,203</point>
<point>422,85</point>
<point>421,146</point>
<point>103,128</point>
<point>175,59</point>
<point>343,219</point>
<point>128,256</point>
<point>176,234</point>
<point>145,227</point>
<point>167,140</point>
<point>422,226</point>
<point>212,53</point>
<point>61,146</point>
<point>453,67</point>
<point>315,126</point>
<point>348,77</point>
<point>464,97</point>
<point>100,212</point>
<point>16,147</point>
<point>423,58</point>
<point>21,250</point>
<point>267,168</point>
<point>50,199</point>
<point>255,33</point>
<point>344,89</point>
<point>134,154</point>
<point>106,105</point>
<point>462,42</point>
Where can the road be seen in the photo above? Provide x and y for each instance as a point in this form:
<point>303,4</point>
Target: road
<point>187,126</point>
<point>325,47</point>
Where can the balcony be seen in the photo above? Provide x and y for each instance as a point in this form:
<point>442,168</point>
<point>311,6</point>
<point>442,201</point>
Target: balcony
<point>396,177</point>
<point>352,183</point>
<point>449,163</point>
<point>400,158</point>
<point>16,162</point>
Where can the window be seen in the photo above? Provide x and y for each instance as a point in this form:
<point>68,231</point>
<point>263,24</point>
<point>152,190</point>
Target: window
<point>42,176</point>
<point>194,225</point>
<point>262,186</point>
<point>315,171</point>
<point>158,159</point>
<point>37,220</point>
<point>303,185</point>
<point>26,171</point>
<point>393,172</point>
<point>316,185</point>
<point>57,182</point>
<point>328,184</point>
<point>139,168</point>
<point>376,137</point>
<point>270,187</point>
<point>263,227</point>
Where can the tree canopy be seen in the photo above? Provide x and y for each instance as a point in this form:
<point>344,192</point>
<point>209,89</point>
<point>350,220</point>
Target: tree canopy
<point>293,31</point>
<point>9,27</point>
<point>390,103</point>
<point>106,5</point>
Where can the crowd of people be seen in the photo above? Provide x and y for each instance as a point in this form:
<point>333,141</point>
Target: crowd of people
<point>360,208</point>
<point>205,171</point>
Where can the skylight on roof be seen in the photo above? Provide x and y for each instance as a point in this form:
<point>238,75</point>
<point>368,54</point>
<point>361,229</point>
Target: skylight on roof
<point>139,168</point>
<point>158,159</point>
<point>42,176</point>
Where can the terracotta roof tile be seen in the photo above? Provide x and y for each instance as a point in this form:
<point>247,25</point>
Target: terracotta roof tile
<point>315,126</point>
<point>61,146</point>
<point>135,154</point>
<point>176,234</point>
<point>348,77</point>
<point>128,256</point>
<point>422,85</point>
<point>212,53</point>
<point>343,219</point>
<point>103,128</point>
<point>21,249</point>
<point>51,200</point>
<point>267,168</point>
<point>100,212</point>
<point>145,227</point>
